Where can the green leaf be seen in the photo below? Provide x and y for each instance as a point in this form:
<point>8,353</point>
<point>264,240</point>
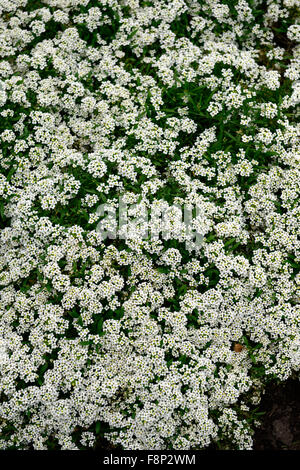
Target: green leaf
<point>98,427</point>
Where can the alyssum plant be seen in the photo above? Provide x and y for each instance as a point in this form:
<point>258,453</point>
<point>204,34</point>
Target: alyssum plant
<point>164,103</point>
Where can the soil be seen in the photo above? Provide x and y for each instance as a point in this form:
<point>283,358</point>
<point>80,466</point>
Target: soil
<point>280,428</point>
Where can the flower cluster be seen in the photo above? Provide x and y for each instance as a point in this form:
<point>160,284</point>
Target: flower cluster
<point>162,102</point>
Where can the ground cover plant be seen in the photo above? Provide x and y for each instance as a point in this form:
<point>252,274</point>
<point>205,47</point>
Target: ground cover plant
<point>149,342</point>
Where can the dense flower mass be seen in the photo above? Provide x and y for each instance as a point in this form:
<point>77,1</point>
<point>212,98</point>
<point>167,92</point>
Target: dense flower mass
<point>143,340</point>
